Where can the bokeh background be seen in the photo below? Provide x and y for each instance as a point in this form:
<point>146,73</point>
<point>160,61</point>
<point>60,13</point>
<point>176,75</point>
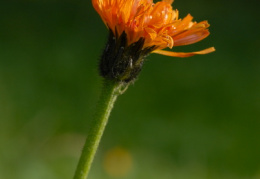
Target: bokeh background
<point>194,118</point>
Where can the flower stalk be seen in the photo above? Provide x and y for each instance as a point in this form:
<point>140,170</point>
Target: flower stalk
<point>137,28</point>
<point>109,94</point>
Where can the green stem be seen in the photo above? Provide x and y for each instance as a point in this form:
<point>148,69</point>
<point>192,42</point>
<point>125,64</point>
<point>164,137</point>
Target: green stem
<point>110,91</point>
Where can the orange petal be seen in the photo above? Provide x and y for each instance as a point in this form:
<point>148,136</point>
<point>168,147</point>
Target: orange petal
<point>169,1</point>
<point>183,54</point>
<point>190,37</point>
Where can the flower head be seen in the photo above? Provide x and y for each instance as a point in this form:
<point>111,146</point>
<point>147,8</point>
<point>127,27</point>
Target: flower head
<point>140,27</point>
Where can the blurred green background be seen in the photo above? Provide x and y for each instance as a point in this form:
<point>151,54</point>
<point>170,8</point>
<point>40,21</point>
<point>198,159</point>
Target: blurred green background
<point>194,118</point>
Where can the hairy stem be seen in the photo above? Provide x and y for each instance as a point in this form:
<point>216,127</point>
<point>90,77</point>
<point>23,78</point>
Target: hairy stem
<point>110,91</point>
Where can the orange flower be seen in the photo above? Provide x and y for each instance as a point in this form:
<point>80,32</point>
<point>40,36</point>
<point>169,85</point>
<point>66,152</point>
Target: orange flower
<point>158,24</point>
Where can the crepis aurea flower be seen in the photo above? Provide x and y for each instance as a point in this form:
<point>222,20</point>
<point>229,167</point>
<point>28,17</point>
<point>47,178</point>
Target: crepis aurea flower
<point>140,27</point>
